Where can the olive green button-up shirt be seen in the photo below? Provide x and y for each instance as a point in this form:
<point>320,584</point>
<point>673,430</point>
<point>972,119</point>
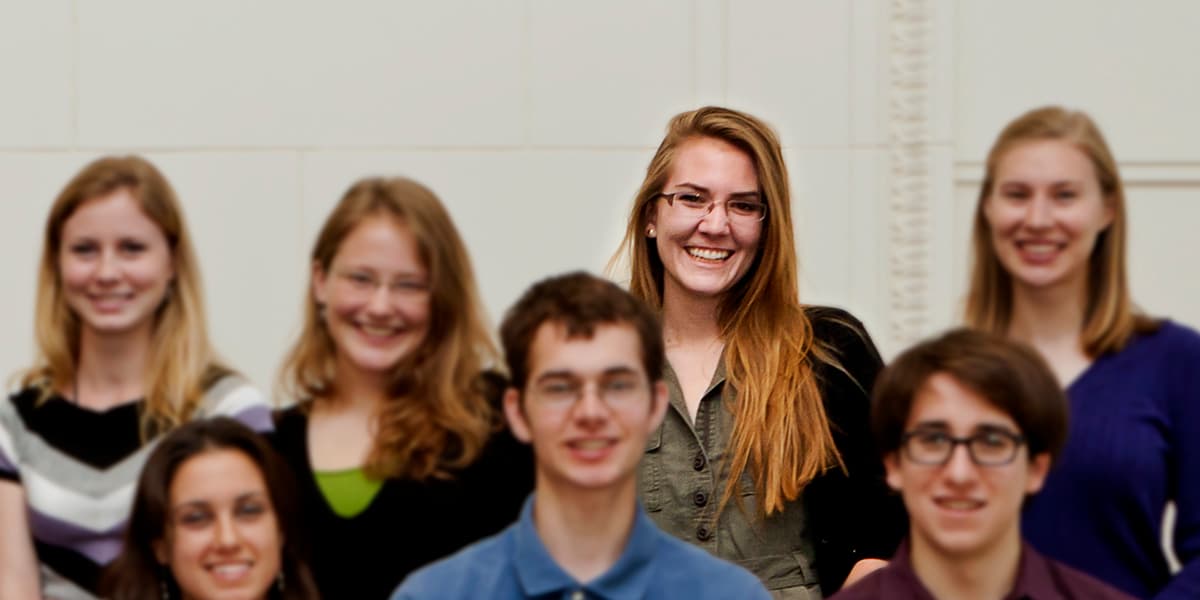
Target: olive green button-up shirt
<point>839,518</point>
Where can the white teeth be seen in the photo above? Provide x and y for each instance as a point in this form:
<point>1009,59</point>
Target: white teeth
<point>1039,249</point>
<point>961,504</point>
<point>709,253</point>
<point>377,331</point>
<point>231,570</point>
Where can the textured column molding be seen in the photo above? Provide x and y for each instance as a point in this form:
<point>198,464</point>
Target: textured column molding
<point>910,25</point>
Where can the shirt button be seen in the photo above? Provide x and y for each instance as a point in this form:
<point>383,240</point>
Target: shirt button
<point>699,462</point>
<point>700,499</point>
<point>703,534</point>
<point>577,595</point>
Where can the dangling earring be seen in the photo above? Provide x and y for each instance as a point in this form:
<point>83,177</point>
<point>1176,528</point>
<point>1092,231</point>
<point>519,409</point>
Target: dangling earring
<point>279,580</point>
<point>650,232</point>
<point>162,587</point>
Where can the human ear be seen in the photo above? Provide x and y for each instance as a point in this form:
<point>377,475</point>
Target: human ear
<point>516,416</point>
<point>319,283</point>
<point>891,462</point>
<point>660,398</point>
<point>1039,467</point>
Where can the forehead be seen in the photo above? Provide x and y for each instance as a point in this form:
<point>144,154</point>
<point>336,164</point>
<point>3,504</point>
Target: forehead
<point>713,163</point>
<point>611,346</point>
<point>216,474</point>
<point>1049,160</point>
<point>943,399</point>
<point>382,242</point>
<point>116,213</point>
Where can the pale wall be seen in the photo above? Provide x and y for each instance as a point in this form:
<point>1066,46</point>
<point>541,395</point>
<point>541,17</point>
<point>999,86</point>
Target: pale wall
<point>534,121</point>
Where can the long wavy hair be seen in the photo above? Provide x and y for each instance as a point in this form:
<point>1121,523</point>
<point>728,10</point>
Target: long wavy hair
<point>137,574</point>
<point>1110,317</point>
<point>182,363</point>
<point>781,433</point>
<point>440,412</point>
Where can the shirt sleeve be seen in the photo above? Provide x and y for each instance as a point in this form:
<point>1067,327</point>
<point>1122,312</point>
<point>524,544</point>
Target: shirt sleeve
<point>1184,377</point>
<point>9,425</point>
<point>234,397</point>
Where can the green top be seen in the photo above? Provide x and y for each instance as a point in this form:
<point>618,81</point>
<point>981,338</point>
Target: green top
<point>348,491</point>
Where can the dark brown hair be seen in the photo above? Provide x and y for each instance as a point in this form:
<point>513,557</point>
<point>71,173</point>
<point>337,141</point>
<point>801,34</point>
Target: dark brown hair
<point>580,302</point>
<point>137,575</point>
<point>1009,375</point>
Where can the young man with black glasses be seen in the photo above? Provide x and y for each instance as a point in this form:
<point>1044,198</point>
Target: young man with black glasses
<point>586,361</point>
<point>969,425</point>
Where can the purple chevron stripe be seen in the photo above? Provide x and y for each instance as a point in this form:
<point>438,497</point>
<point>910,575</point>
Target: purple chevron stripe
<point>101,547</point>
<point>257,417</point>
<point>6,465</point>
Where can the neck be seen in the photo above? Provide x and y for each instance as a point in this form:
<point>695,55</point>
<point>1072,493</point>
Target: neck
<point>112,368</point>
<point>987,574</point>
<point>585,531</point>
<point>357,389</point>
<point>689,320</point>
<point>1050,317</point>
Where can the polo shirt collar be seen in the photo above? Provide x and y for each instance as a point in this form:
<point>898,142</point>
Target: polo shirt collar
<point>1034,580</point>
<point>629,577</point>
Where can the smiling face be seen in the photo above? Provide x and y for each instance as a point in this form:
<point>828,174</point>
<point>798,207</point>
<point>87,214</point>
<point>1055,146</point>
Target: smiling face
<point>706,256</point>
<point>961,509</point>
<point>587,407</point>
<point>223,539</point>
<point>115,265</point>
<point>1045,212</point>
<point>376,297</point>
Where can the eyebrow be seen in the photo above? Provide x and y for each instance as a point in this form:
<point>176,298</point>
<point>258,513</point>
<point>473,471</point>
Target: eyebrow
<point>565,374</point>
<point>700,188</point>
<point>255,495</point>
<point>979,427</point>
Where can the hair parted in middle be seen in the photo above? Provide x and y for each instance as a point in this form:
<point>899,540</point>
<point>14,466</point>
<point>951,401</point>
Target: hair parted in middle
<point>137,575</point>
<point>781,432</point>
<point>1009,375</point>
<point>182,363</point>
<point>1110,317</point>
<point>579,302</point>
<point>441,412</point>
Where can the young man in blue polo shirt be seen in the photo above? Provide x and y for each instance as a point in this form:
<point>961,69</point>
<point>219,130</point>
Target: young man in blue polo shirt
<point>969,424</point>
<point>586,361</point>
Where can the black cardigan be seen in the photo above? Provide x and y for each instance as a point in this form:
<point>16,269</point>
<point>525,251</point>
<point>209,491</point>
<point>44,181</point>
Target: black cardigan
<point>408,524</point>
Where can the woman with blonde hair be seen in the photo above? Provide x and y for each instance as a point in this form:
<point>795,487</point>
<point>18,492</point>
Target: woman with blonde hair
<point>765,457</point>
<point>1049,270</point>
<point>397,440</point>
<point>123,358</point>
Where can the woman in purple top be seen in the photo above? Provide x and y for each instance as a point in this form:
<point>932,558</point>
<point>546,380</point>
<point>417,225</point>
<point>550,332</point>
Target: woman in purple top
<point>1049,270</point>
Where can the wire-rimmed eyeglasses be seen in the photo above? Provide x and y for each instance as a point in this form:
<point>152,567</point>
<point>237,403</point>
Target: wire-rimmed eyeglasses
<point>694,204</point>
<point>988,448</point>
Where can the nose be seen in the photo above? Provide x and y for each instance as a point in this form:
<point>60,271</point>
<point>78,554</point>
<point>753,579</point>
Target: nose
<point>226,533</point>
<point>380,301</point>
<point>716,221</point>
<point>960,468</point>
<point>107,269</point>
<point>590,409</point>
<point>1037,213</point>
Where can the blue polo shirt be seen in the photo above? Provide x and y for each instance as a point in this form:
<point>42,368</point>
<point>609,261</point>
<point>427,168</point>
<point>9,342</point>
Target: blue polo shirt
<point>515,564</point>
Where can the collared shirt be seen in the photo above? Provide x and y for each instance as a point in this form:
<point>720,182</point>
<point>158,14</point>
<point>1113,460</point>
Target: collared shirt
<point>1038,578</point>
<point>837,520</point>
<point>515,564</point>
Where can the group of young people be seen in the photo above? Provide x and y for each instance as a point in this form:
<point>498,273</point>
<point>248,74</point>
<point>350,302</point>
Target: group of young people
<point>701,434</point>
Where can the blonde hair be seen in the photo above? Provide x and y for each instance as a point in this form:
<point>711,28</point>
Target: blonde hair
<point>440,414</point>
<point>1110,318</point>
<point>781,433</point>
<point>182,363</point>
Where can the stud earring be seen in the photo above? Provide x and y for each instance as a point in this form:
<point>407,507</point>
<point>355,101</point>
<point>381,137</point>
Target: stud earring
<point>650,232</point>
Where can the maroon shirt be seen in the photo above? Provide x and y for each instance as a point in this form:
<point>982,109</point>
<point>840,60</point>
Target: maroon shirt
<point>1038,578</point>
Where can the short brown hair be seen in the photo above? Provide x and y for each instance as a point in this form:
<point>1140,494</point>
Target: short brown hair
<point>1007,374</point>
<point>580,302</point>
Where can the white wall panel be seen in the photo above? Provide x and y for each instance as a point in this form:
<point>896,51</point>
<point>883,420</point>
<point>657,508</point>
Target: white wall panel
<point>36,62</point>
<point>608,73</point>
<point>277,73</point>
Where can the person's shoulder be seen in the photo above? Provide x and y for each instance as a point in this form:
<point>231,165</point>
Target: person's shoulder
<point>870,587</point>
<point>20,405</point>
<point>1074,584</point>
<point>234,396</point>
<point>460,575</point>
<point>1176,338</point>
<point>693,572</point>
